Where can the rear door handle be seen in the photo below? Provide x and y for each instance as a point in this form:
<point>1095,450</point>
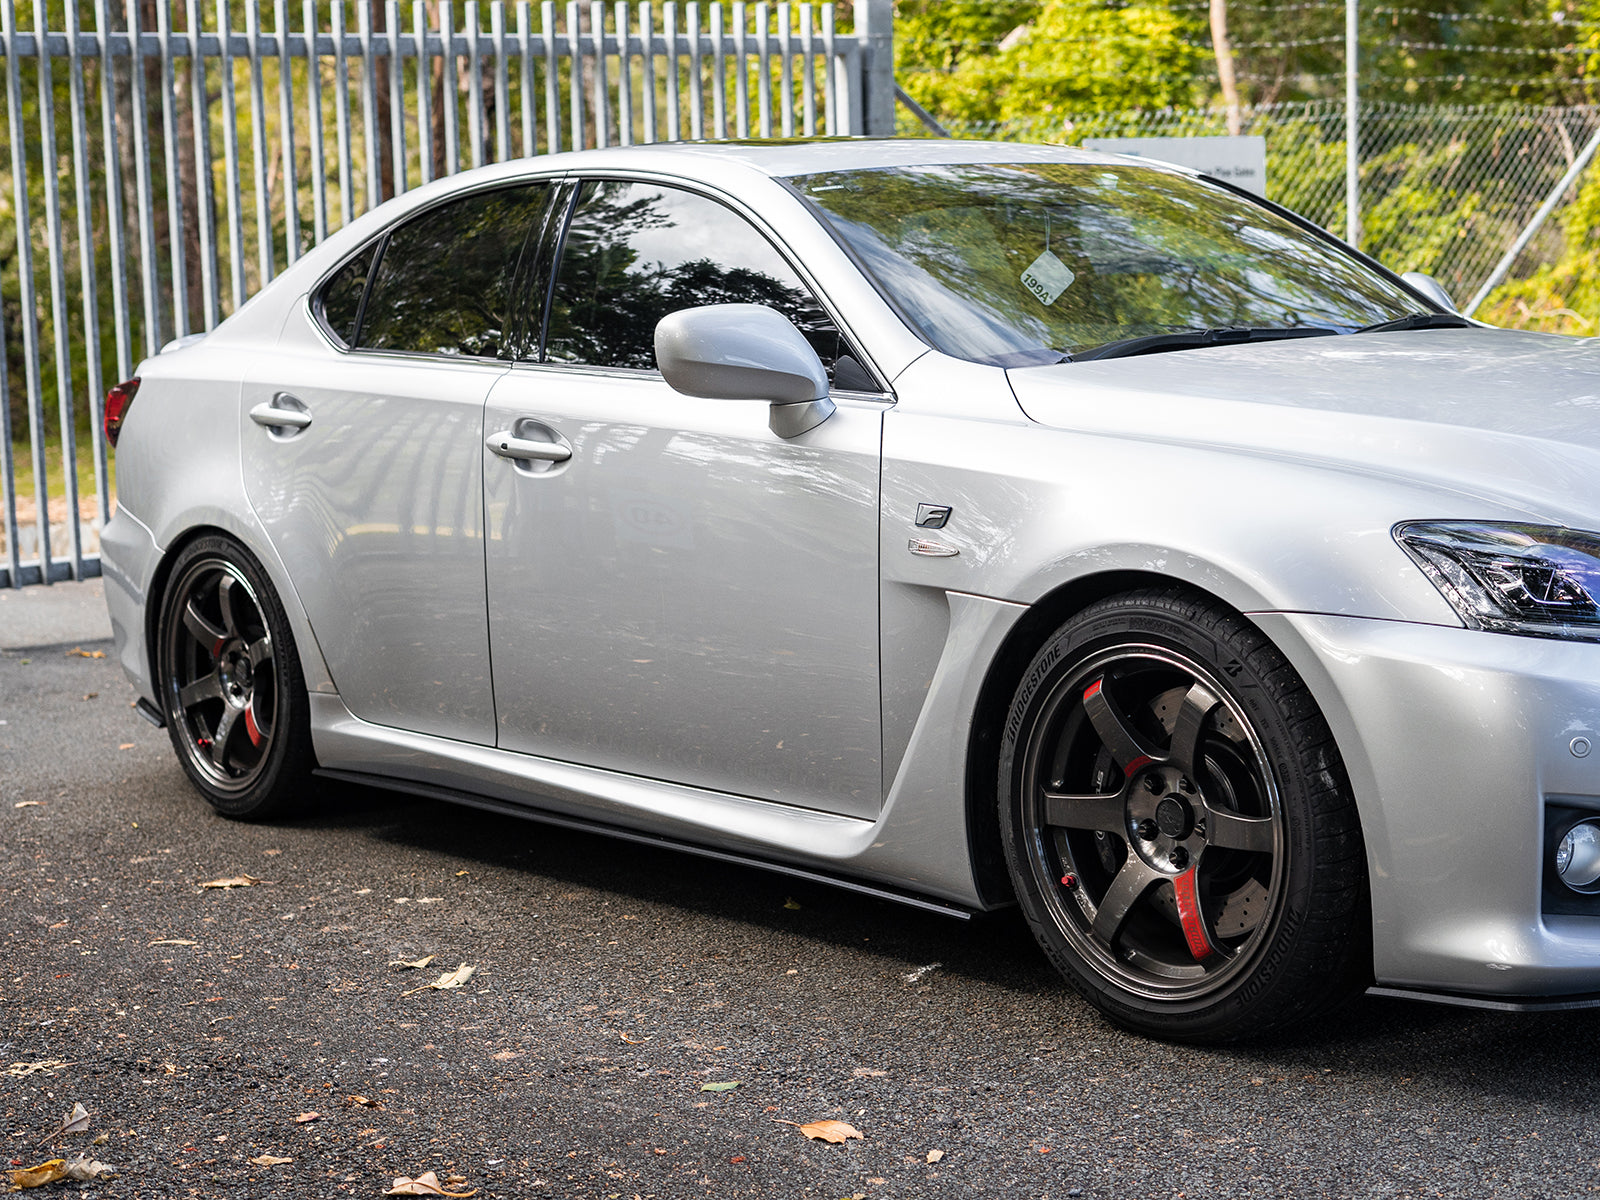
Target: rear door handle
<point>282,412</point>
<point>508,445</point>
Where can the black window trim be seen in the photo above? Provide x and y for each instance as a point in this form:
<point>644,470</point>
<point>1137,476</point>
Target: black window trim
<point>519,281</point>
<point>577,179</point>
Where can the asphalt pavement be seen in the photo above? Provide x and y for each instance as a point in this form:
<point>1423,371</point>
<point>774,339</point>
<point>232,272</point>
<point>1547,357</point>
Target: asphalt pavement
<point>205,1027</point>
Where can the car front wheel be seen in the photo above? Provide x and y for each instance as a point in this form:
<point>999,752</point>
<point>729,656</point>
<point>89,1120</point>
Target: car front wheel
<point>1178,824</point>
<point>231,686</point>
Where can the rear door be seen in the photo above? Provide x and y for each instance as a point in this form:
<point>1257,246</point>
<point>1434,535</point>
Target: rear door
<point>363,458</point>
<point>688,596</point>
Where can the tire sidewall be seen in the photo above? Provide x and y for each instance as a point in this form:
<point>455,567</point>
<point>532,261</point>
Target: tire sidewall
<point>272,790</point>
<point>1250,1001</point>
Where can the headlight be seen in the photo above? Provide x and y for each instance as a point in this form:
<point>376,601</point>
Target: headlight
<point>1540,580</point>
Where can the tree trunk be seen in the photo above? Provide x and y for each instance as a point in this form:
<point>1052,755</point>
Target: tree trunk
<point>1224,52</point>
<point>436,108</point>
<point>380,111</point>
<point>189,192</point>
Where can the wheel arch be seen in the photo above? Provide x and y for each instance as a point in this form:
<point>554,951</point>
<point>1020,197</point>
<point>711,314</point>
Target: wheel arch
<point>312,665</point>
<point>1047,614</point>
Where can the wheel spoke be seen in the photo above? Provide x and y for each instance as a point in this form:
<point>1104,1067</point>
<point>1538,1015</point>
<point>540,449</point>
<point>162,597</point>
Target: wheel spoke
<point>1127,889</point>
<point>225,602</point>
<point>1184,752</point>
<point>207,687</point>
<point>1108,813</point>
<point>1230,831</point>
<point>260,650</point>
<point>1128,748</point>
<point>1195,932</point>
<point>253,725</point>
<point>219,739</point>
<point>207,634</point>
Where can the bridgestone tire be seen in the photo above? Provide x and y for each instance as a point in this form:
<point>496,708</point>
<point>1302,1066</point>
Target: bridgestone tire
<point>230,683</point>
<point>1178,824</point>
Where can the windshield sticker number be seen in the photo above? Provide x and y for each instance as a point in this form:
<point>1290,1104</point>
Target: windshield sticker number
<point>1047,277</point>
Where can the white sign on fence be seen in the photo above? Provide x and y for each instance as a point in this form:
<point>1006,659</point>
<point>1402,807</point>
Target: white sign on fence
<point>1242,161</point>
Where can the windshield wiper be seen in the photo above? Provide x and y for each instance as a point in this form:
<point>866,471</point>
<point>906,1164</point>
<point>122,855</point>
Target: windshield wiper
<point>1418,320</point>
<point>1157,343</point>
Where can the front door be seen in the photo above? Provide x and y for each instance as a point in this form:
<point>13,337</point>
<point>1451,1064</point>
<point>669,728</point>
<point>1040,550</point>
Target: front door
<point>688,596</point>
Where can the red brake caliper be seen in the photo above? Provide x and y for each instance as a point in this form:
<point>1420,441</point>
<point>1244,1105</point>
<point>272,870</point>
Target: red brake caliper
<point>250,725</point>
<point>1194,925</point>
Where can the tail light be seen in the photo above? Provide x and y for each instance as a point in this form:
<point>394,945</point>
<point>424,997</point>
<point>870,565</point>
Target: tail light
<point>118,401</point>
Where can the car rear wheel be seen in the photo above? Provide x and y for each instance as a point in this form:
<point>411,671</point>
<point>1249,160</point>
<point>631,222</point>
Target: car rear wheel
<point>1178,825</point>
<point>231,686</point>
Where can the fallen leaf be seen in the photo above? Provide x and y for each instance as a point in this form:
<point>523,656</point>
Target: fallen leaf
<point>505,1056</point>
<point>125,746</point>
<point>173,942</point>
<point>426,1184</point>
<point>633,1041</point>
<point>51,1171</point>
<point>76,1121</point>
<point>89,1170</point>
<point>450,979</point>
<point>270,1160</point>
<point>867,1072</point>
<point>82,653</point>
<point>233,882</point>
<point>416,964</point>
<point>28,804</point>
<point>935,1155</point>
<point>459,874</point>
<point>720,1087</point>
<point>307,1118</point>
<point>827,1131</point>
<point>362,1102</point>
<point>21,1070</point>
<point>791,903</point>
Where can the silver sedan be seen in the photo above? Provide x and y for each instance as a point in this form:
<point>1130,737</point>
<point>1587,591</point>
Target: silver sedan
<point>973,524</point>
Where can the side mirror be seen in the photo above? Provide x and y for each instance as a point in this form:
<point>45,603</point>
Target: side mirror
<point>1431,288</point>
<point>745,352</point>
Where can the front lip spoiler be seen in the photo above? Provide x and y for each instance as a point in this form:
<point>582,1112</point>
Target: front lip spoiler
<point>1493,1003</point>
<point>432,792</point>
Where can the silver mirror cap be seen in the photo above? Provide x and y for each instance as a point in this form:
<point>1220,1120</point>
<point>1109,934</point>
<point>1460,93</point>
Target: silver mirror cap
<point>739,352</point>
<point>1431,288</point>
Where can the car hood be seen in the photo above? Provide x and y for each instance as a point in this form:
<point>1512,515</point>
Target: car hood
<point>1506,417</point>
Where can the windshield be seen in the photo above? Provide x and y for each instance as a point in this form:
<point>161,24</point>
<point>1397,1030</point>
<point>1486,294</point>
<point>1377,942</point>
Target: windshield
<point>1021,264</point>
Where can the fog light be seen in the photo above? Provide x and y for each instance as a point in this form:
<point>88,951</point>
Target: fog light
<point>1578,856</point>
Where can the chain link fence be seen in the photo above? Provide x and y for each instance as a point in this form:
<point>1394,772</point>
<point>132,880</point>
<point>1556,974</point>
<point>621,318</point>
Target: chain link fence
<point>1444,190</point>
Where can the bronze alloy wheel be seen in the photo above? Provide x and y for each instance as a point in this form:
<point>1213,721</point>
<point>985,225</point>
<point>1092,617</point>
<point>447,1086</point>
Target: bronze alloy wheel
<point>230,684</point>
<point>1170,842</point>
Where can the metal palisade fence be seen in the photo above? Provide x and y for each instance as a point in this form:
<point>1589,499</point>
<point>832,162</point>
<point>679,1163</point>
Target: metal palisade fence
<point>167,157</point>
<point>1443,189</point>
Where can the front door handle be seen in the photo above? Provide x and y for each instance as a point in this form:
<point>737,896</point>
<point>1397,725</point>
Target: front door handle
<point>283,413</point>
<point>507,445</point>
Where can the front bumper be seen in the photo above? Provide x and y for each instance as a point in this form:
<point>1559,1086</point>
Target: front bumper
<point>1456,742</point>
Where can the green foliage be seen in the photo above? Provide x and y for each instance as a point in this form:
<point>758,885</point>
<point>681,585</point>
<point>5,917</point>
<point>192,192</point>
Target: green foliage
<point>971,64</point>
<point>1563,296</point>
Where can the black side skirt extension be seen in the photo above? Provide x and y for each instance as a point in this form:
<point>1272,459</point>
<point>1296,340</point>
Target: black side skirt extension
<point>882,892</point>
<point>1492,1003</point>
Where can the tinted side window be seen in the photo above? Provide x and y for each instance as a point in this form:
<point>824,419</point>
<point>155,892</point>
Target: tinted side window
<point>444,285</point>
<point>635,252</point>
<point>340,299</point>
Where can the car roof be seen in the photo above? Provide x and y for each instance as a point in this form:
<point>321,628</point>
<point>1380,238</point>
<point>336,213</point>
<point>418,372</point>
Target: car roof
<point>804,156</point>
